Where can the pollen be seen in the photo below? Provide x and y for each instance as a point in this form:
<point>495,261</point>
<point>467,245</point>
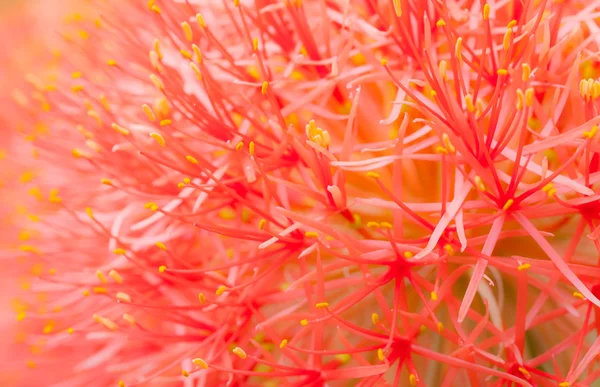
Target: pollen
<point>251,148</point>
<point>591,133</point>
<point>157,82</point>
<point>70,331</point>
<point>507,39</point>
<point>283,344</point>
<point>375,318</point>
<point>159,139</point>
<point>311,234</point>
<point>123,297</point>
<point>200,363</point>
<point>89,212</point>
<point>458,49</point>
<point>380,354</point>
<point>304,322</point>
<point>187,31</point>
<point>502,72</point>
<point>191,159</point>
<point>434,296</point>
<point>165,122</point>
<point>508,204</point>
<point>112,62</point>
<point>526,71</point>
<point>120,251</point>
<point>261,224</point>
<point>200,20</point>
<point>99,290</point>
<point>221,290</point>
<point>373,175</point>
<point>106,181</point>
<point>524,266</point>
<point>240,352</point>
<point>317,135</point>
<point>397,8</point>
<point>486,12</point>
<point>448,144</point>
<point>322,305</point>
<point>118,128</point>
<point>440,327</point>
<point>129,318</point>
<point>578,295</point>
<point>115,276</point>
<point>162,269</point>
<point>161,246</point>
<point>412,379</point>
<point>201,298</point>
<point>564,384</point>
<point>479,184</point>
<point>239,146</point>
<point>185,373</point>
<point>101,276</point>
<point>441,23</point>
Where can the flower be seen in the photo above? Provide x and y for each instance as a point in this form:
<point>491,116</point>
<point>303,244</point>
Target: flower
<point>307,193</point>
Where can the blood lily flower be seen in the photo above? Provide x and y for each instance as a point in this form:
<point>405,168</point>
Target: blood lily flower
<point>306,193</point>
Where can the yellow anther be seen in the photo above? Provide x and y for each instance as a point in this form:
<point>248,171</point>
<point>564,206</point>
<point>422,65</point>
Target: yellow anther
<point>526,71</point>
<point>196,69</point>
<point>434,296</point>
<point>283,344</point>
<point>479,184</point>
<point>29,249</point>
<point>191,159</point>
<point>200,363</point>
<point>255,44</point>
<point>529,96</point>
<point>180,185</point>
<point>21,316</point>
<point>375,318</point>
<point>159,139</point>
<point>77,88</point>
<point>151,206</point>
<point>447,143</point>
<point>201,298</point>
<point>187,31</point>
<point>261,224</point>
<point>161,246</point>
<point>322,305</point>
<point>443,68</point>
<point>112,62</point>
<point>99,290</point>
<point>373,175</point>
<point>76,75</point>
<point>458,49</point>
<point>397,7</point>
<point>591,133</point>
<point>239,146</point>
<point>373,224</point>
<point>520,99</point>
<point>221,290</point>
<point>156,81</point>
<point>508,204</point>
<point>564,384</point>
<point>547,187</point>
<point>70,331</point>
<point>502,72</point>
<point>200,20</point>
<point>578,295</point>
<point>186,54</point>
<point>384,62</point>
<point>52,271</point>
<point>185,373</point>
<point>129,318</point>
<point>386,225</point>
<point>449,249</point>
<point>123,297</point>
<point>119,251</point>
<point>317,135</point>
<point>304,322</point>
<point>89,212</point>
<point>507,39</point>
<point>48,328</point>
<point>86,293</point>
<point>122,384</point>
<point>162,268</point>
<point>197,53</point>
<point>486,12</point>
<point>115,276</point>
<point>240,352</point>
<point>156,9</point>
<point>106,181</point>
<point>251,148</point>
<point>441,23</point>
<point>118,128</point>
<point>380,354</point>
<point>265,87</point>
<point>408,255</point>
<point>512,24</point>
<point>101,276</point>
<point>236,3</point>
<point>412,379</point>
<point>440,327</point>
<point>165,122</point>
<point>441,150</point>
<point>524,266</point>
<point>311,234</point>
<point>433,93</point>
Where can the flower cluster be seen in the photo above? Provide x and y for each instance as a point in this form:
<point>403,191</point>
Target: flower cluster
<point>306,193</point>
